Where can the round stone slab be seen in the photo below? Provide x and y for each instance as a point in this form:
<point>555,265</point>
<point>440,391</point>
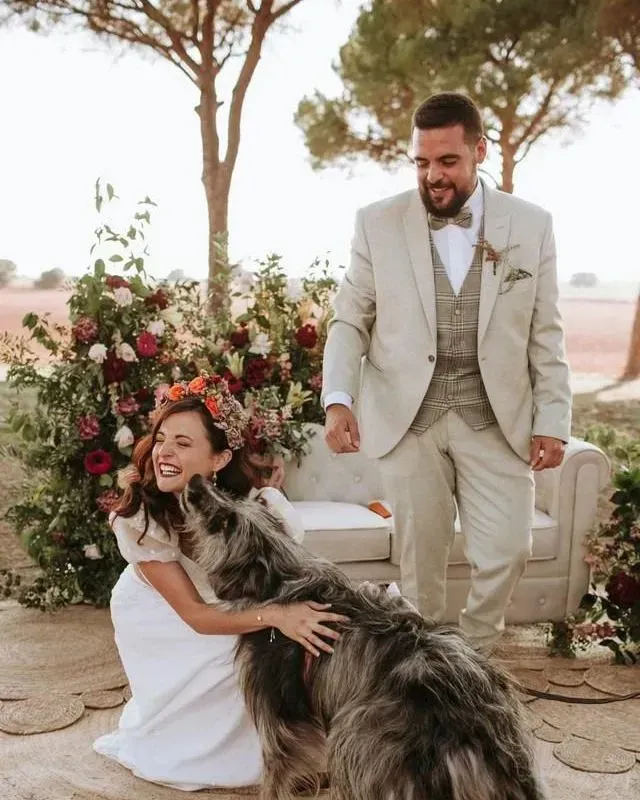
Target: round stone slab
<point>547,733</point>
<point>40,714</point>
<point>564,677</point>
<point>589,756</point>
<point>618,680</point>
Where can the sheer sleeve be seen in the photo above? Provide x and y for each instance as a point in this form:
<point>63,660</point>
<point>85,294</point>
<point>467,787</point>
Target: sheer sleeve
<point>278,505</point>
<point>155,545</point>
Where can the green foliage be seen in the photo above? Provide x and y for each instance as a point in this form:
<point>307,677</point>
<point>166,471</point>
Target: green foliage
<point>129,339</point>
<point>7,272</point>
<point>609,612</point>
<point>532,68</point>
<point>50,279</point>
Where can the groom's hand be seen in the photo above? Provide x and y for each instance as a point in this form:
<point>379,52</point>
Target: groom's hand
<point>546,452</point>
<point>341,429</point>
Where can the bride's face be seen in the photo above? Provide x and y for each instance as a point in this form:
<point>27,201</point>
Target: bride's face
<point>183,449</point>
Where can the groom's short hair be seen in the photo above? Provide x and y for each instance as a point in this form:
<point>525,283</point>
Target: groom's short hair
<point>446,109</point>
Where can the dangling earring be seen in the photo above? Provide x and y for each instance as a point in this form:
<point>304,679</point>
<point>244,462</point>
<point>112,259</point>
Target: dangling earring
<point>214,478</point>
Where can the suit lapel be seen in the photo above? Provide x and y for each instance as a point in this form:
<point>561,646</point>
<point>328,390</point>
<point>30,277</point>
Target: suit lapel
<point>496,235</point>
<point>416,230</point>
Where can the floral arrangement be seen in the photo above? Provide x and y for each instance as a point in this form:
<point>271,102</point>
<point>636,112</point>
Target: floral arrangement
<point>127,342</point>
<point>609,613</point>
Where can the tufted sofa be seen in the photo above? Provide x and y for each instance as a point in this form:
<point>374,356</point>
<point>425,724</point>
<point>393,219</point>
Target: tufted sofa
<point>332,493</point>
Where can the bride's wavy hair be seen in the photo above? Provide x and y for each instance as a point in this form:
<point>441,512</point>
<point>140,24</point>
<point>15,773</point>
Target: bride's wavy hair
<point>139,480</point>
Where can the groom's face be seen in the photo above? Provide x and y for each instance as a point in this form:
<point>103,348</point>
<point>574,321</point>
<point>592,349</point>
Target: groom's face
<point>447,165</point>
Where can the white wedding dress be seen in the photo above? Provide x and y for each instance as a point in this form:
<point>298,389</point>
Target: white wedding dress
<point>185,725</point>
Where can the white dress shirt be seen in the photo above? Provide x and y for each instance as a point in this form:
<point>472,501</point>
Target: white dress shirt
<point>455,246</point>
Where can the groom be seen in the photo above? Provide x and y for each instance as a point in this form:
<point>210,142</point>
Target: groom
<point>448,334</point>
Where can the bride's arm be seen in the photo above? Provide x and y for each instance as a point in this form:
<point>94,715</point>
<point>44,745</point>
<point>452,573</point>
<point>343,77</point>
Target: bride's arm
<point>301,622</point>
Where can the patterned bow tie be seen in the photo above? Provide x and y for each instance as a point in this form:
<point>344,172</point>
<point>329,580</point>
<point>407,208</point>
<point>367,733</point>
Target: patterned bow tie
<point>463,218</point>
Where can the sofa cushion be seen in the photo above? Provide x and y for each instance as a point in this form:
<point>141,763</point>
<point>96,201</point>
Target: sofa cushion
<point>347,532</point>
<point>344,532</point>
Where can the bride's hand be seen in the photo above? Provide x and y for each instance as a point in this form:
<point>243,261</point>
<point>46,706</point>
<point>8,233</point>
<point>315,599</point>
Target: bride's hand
<point>302,622</point>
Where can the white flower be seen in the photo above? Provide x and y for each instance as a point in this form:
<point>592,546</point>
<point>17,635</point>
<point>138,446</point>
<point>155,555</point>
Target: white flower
<point>124,437</point>
<point>287,412</point>
<point>294,290</point>
<point>235,363</point>
<point>176,372</point>
<point>156,327</point>
<point>171,316</point>
<point>92,552</point>
<point>261,345</point>
<point>126,352</point>
<point>123,296</point>
<point>97,353</point>
<point>297,396</point>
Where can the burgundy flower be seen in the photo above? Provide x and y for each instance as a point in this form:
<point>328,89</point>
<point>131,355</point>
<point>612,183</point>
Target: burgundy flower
<point>623,589</point>
<point>127,406</point>
<point>114,369</point>
<point>315,382</point>
<point>307,336</point>
<point>107,500</point>
<point>240,338</point>
<point>157,299</point>
<point>255,372</point>
<point>85,330</point>
<point>116,282</point>
<point>88,427</point>
<point>58,537</point>
<point>236,385</point>
<point>142,394</point>
<point>147,345</point>
<point>97,462</point>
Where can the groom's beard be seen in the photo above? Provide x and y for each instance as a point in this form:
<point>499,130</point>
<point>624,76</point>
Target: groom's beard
<point>452,208</point>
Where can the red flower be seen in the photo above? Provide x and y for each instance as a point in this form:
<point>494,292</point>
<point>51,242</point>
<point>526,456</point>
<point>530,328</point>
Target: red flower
<point>107,500</point>
<point>88,427</point>
<point>198,385</point>
<point>212,405</point>
<point>236,385</point>
<point>127,406</point>
<point>97,462</point>
<point>85,330</point>
<point>240,338</point>
<point>623,589</point>
<point>176,392</point>
<point>114,369</point>
<point>147,345</point>
<point>255,372</point>
<point>157,299</point>
<point>307,336</point>
<point>116,282</point>
<point>142,394</point>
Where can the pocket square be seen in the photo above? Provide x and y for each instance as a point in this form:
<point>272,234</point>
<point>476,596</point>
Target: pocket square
<point>514,275</point>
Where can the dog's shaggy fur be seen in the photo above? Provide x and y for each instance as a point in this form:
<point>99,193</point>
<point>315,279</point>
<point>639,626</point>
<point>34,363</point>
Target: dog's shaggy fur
<point>403,709</point>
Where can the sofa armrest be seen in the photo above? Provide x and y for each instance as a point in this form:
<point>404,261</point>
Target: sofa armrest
<point>569,494</point>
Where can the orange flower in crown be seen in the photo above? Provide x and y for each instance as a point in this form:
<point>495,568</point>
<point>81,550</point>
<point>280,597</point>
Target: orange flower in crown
<point>228,414</point>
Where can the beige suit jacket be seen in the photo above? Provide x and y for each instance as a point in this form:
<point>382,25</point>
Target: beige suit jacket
<point>382,342</point>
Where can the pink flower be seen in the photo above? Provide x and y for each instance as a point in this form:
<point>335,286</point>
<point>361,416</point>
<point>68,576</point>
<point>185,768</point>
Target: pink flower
<point>98,462</point>
<point>85,330</point>
<point>127,406</point>
<point>88,427</point>
<point>107,500</point>
<point>147,345</point>
<point>160,391</point>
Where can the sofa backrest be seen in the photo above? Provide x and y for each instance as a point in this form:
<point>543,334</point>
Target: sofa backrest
<point>323,475</point>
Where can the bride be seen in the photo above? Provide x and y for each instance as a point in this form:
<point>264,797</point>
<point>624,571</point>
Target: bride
<point>186,725</point>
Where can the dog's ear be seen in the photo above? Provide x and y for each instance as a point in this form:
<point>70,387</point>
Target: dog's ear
<point>260,558</point>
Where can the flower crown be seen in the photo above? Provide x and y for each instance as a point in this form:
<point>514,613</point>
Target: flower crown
<point>228,414</point>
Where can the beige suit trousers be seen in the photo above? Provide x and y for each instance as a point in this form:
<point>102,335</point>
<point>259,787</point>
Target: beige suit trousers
<point>424,477</point>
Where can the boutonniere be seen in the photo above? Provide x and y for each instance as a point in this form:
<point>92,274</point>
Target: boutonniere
<point>493,255</point>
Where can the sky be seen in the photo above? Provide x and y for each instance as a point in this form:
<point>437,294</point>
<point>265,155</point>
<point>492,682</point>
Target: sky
<point>74,110</point>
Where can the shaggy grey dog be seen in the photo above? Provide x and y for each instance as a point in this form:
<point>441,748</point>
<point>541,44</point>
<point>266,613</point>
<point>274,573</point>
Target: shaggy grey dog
<point>403,709</point>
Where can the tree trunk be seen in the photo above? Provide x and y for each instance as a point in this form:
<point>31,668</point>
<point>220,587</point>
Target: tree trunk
<point>508,167</point>
<point>217,183</point>
<point>632,369</point>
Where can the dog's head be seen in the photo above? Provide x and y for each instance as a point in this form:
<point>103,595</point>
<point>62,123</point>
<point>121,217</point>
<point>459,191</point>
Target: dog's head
<point>244,549</point>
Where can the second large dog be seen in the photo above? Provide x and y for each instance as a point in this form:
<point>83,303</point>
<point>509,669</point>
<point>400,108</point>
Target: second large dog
<point>404,709</point>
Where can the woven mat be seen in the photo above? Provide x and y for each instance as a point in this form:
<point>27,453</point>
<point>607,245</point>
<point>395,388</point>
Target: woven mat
<point>617,724</point>
<point>102,698</point>
<point>40,714</point>
<point>616,680</point>
<point>593,756</point>
<point>70,652</point>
